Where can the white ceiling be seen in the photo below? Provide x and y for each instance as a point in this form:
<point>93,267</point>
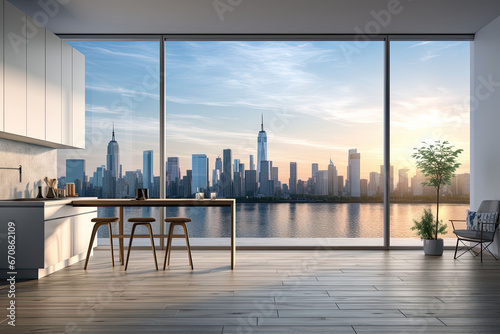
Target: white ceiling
<point>261,16</point>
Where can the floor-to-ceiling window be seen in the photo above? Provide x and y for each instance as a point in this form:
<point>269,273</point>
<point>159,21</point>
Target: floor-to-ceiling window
<point>292,129</point>
<point>429,101</point>
<point>122,126</point>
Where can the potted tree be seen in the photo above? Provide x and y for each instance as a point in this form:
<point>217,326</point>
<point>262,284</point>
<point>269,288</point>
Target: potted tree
<point>438,163</point>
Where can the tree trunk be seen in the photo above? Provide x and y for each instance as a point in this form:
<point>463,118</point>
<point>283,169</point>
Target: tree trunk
<point>437,214</point>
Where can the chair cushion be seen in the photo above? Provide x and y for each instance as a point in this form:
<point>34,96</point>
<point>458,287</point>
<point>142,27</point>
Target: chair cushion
<point>104,219</point>
<point>474,235</point>
<point>474,219</point>
<point>177,220</point>
<point>141,220</point>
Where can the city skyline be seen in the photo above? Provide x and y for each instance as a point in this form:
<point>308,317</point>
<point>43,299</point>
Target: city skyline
<point>316,103</point>
<point>231,180</point>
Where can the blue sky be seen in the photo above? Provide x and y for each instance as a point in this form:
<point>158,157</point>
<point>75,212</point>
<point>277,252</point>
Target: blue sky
<point>317,102</point>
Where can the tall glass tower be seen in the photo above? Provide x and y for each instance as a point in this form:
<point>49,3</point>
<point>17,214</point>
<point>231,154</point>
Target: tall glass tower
<point>261,146</point>
<point>354,173</point>
<point>147,167</point>
<point>200,173</point>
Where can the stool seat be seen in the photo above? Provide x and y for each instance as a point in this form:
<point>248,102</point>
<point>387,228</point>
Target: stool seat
<point>141,220</point>
<point>104,220</point>
<point>177,220</point>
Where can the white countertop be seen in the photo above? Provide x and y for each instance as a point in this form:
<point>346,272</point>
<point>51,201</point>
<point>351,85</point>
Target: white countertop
<point>37,202</point>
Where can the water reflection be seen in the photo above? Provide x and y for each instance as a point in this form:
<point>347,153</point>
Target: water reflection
<point>291,220</point>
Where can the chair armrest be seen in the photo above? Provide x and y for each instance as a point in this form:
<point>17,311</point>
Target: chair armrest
<point>456,220</point>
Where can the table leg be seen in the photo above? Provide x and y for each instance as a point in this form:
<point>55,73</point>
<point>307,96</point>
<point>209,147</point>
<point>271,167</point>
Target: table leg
<point>233,235</point>
<point>120,240</point>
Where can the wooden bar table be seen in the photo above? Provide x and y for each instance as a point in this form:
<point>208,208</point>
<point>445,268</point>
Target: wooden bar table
<point>121,203</point>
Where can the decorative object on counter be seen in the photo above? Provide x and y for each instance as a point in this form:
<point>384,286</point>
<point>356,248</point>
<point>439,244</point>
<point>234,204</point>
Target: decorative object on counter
<point>200,196</point>
<point>70,190</point>
<point>39,192</point>
<point>141,194</point>
<point>213,195</point>
<point>51,183</point>
<point>20,169</point>
<point>60,193</point>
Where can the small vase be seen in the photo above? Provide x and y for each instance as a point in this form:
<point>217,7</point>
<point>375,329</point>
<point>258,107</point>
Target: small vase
<point>39,192</point>
<point>51,193</point>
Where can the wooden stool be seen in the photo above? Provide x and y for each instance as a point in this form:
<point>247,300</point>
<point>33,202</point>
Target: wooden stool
<point>145,221</point>
<point>174,221</point>
<point>99,222</point>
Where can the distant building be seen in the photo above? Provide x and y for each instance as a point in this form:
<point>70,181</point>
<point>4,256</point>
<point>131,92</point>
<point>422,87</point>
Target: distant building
<point>251,183</point>
<point>403,182</point>
<point>112,168</point>
<point>277,188</point>
<point>252,164</point>
<point>173,176</point>
<point>199,174</point>
<point>354,173</point>
<point>227,174</point>
<point>332,180</point>
<point>341,185</point>
<point>261,147</point>
<point>264,179</point>
<point>373,184</point>
<point>75,173</point>
<point>321,184</point>
<point>147,170</point>
<point>292,181</point>
<point>363,185</point>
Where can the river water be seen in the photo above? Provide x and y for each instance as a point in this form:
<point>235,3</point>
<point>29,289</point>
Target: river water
<point>296,220</point>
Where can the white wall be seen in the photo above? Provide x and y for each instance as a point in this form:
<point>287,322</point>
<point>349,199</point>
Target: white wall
<point>37,162</point>
<point>485,117</point>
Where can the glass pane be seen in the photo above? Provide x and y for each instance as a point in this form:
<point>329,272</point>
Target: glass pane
<point>293,130</point>
<point>429,101</point>
<point>122,128</point>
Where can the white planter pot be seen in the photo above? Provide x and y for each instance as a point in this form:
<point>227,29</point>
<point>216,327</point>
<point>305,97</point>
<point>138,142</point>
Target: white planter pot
<point>433,247</point>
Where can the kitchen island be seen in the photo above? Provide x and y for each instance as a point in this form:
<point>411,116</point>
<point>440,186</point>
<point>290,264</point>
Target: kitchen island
<point>47,234</point>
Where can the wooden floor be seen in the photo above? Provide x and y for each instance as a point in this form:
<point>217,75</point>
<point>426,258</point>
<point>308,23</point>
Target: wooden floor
<point>268,292</point>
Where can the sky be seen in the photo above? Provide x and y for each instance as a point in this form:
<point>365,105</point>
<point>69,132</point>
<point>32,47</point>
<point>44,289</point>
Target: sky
<point>318,99</point>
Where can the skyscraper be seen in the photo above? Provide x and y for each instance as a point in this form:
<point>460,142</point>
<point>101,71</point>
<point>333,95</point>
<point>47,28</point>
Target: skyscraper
<point>264,179</point>
<point>332,180</point>
<point>112,168</point>
<point>261,146</point>
<point>226,173</point>
<point>354,173</point>
<point>403,182</point>
<point>75,173</point>
<point>252,164</point>
<point>113,157</point>
<point>147,170</point>
<point>314,170</point>
<point>293,178</point>
<point>173,176</point>
<point>200,173</point>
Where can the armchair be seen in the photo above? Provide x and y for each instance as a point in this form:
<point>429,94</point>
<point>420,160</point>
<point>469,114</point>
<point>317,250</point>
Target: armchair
<point>483,234</point>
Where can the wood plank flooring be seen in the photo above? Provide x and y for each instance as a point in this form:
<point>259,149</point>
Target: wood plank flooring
<point>268,292</point>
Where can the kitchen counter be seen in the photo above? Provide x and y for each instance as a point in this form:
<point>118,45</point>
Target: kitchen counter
<point>50,234</point>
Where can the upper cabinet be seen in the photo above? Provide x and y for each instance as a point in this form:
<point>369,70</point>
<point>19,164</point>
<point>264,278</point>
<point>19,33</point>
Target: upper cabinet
<point>14,44</point>
<point>1,67</point>
<point>42,84</point>
<point>35,82</point>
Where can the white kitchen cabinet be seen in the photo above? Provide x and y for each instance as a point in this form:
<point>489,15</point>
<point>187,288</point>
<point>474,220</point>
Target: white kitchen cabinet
<point>67,94</point>
<point>50,235</point>
<point>35,81</point>
<point>53,88</point>
<point>42,84</point>
<point>14,70</point>
<point>78,99</point>
<point>1,67</point>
